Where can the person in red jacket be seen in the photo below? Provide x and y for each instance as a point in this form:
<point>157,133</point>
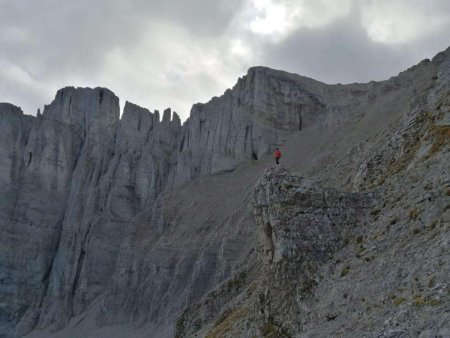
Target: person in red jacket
<point>277,155</point>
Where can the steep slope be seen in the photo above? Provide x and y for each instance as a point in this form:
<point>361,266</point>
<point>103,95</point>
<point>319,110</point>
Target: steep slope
<point>384,276</point>
<point>299,227</point>
<point>127,221</point>
<point>212,229</point>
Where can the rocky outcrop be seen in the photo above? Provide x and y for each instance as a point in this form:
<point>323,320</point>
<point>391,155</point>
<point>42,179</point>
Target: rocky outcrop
<point>300,222</point>
<point>299,228</point>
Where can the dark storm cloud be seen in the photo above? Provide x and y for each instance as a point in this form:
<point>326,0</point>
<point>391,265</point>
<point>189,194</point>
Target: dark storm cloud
<point>161,53</point>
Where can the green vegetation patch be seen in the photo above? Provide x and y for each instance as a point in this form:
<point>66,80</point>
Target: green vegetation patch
<point>398,300</point>
<point>433,224</point>
<point>226,322</point>
<point>441,137</point>
<point>345,270</point>
<point>413,214</point>
<point>419,300</point>
<point>271,330</point>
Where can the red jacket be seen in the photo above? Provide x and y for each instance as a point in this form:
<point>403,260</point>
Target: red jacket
<point>277,153</point>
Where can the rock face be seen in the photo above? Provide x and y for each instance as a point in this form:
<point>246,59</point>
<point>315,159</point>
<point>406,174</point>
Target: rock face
<point>337,263</point>
<point>298,221</point>
<point>133,221</point>
<point>72,181</point>
<point>299,228</point>
<point>247,121</point>
<point>37,163</point>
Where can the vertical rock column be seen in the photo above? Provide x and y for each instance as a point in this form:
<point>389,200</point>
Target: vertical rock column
<point>89,240</point>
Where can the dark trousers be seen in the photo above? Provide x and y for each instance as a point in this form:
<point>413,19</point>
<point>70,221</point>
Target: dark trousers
<point>277,159</point>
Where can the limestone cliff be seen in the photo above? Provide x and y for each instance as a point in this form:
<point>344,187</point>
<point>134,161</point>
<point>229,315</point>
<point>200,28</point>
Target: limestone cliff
<point>119,224</point>
<point>72,180</point>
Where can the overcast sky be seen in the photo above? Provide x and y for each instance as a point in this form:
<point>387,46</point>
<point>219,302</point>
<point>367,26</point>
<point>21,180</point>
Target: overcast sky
<point>173,53</point>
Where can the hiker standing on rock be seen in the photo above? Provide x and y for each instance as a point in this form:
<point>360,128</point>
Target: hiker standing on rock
<point>277,155</point>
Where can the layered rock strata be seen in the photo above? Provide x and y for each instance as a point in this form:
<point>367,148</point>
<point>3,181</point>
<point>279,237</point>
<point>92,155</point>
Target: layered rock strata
<point>300,227</point>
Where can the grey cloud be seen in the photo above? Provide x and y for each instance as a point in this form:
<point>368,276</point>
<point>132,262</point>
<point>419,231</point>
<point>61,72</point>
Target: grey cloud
<point>201,17</point>
<point>157,52</point>
<point>58,43</point>
<point>343,52</point>
<point>339,52</point>
<point>65,37</point>
<point>80,33</point>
